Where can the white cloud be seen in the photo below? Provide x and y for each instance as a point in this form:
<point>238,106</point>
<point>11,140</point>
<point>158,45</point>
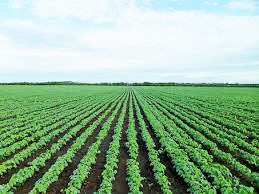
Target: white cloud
<point>17,22</point>
<point>216,76</point>
<point>164,38</point>
<point>250,5</point>
<point>211,3</point>
<point>209,74</point>
<point>17,4</point>
<point>97,10</point>
<point>138,39</point>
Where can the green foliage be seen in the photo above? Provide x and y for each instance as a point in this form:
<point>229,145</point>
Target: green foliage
<point>210,136</point>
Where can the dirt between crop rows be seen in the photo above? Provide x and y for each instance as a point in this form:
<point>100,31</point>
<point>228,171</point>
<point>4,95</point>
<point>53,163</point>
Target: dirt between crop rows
<point>120,183</point>
<point>6,177</point>
<point>28,185</point>
<point>64,179</point>
<point>243,179</point>
<point>92,183</point>
<point>177,183</point>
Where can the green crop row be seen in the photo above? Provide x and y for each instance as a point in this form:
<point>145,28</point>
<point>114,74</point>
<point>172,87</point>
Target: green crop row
<point>84,167</point>
<point>133,170</point>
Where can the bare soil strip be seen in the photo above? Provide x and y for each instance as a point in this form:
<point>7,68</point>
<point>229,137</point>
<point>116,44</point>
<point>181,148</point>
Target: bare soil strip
<point>243,179</point>
<point>6,177</point>
<point>28,185</point>
<point>223,148</point>
<point>149,183</point>
<point>64,179</point>
<point>120,184</point>
<point>177,183</point>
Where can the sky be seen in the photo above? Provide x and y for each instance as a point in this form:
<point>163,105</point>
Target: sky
<point>201,41</point>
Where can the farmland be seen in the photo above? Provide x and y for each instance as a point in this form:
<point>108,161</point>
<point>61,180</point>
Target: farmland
<point>86,139</point>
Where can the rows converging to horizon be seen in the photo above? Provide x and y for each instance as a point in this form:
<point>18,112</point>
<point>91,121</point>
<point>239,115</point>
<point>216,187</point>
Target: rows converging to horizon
<point>121,139</point>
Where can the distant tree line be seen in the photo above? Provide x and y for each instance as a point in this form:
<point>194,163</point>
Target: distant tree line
<point>135,84</point>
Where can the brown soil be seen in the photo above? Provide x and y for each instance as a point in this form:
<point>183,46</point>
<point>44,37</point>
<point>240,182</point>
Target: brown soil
<point>120,184</point>
<point>64,179</point>
<point>93,182</point>
<point>39,124</point>
<point>222,147</point>
<point>27,186</point>
<point>149,182</point>
<point>177,183</point>
<point>5,178</point>
<point>243,179</point>
<point>36,139</point>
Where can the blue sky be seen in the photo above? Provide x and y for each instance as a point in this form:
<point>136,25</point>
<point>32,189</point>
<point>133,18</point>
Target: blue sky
<point>129,40</point>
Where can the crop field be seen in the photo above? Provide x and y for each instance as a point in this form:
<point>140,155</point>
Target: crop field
<point>123,139</point>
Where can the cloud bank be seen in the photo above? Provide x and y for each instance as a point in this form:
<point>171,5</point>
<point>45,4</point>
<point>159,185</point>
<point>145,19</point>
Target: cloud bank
<point>132,40</point>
